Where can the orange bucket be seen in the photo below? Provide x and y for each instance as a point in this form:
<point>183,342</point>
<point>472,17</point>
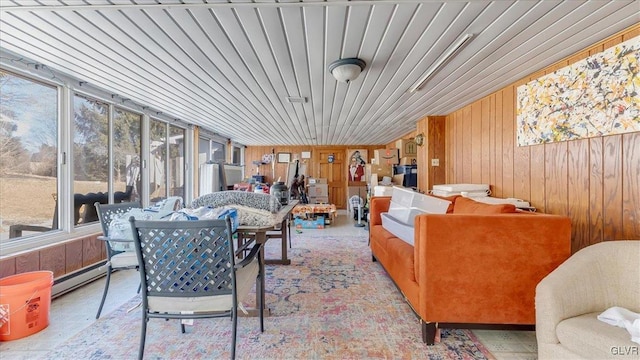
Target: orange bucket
<point>25,300</point>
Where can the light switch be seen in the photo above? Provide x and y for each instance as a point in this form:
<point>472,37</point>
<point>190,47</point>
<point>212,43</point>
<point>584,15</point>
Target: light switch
<point>435,162</point>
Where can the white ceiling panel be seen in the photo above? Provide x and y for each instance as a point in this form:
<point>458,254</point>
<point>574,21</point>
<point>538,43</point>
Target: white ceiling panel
<point>229,66</point>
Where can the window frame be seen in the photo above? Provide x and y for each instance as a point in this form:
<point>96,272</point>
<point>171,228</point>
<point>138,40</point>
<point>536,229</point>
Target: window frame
<point>66,91</point>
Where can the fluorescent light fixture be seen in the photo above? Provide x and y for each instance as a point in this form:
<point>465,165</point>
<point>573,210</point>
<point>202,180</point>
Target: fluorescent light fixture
<point>441,61</point>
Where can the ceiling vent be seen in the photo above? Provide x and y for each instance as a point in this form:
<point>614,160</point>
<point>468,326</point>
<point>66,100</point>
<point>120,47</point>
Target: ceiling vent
<point>296,99</point>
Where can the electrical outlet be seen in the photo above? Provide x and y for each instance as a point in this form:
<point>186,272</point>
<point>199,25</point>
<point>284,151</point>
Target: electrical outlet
<point>435,162</point>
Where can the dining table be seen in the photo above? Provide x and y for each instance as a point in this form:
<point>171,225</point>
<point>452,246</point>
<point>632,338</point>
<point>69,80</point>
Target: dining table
<point>261,234</point>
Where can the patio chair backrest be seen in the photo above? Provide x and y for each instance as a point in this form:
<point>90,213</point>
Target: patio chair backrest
<point>185,258</point>
<point>108,212</point>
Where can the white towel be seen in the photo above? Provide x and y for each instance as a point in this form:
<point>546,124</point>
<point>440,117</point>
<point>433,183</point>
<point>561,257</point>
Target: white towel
<point>634,329</point>
<point>624,318</point>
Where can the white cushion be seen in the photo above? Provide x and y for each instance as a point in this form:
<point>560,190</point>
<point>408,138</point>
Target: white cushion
<point>404,215</point>
<point>407,198</point>
<point>245,279</point>
<point>398,228</point>
<point>124,260</point>
<point>457,188</point>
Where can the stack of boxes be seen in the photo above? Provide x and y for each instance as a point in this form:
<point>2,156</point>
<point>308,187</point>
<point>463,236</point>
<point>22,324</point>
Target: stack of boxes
<point>318,191</point>
<point>398,163</point>
<point>382,164</point>
<point>407,151</point>
<point>407,167</point>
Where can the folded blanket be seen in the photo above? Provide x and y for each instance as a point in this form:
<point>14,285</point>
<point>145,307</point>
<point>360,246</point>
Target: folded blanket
<point>624,318</point>
<point>243,198</point>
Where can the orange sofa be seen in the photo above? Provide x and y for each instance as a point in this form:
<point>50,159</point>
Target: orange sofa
<point>477,264</point>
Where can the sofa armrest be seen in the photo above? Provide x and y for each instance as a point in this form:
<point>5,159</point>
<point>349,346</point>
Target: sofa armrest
<point>484,268</point>
<point>591,280</point>
<point>378,205</point>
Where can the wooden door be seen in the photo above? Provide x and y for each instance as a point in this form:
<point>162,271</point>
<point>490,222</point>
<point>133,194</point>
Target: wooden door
<point>335,173</point>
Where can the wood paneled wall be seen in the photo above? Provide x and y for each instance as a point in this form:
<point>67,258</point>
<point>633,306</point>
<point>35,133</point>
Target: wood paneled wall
<point>433,129</point>
<point>313,170</point>
<point>596,181</point>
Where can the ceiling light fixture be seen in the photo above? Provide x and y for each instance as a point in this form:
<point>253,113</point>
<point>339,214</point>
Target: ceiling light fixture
<point>347,70</point>
<point>441,61</point>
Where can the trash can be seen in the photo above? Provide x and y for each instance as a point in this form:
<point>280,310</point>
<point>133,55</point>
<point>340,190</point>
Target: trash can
<point>25,300</point>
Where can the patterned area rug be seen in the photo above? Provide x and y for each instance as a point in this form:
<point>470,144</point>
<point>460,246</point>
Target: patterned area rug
<point>332,302</point>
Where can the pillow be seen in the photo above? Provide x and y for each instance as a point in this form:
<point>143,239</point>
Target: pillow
<point>465,205</point>
<point>451,198</point>
<point>251,216</point>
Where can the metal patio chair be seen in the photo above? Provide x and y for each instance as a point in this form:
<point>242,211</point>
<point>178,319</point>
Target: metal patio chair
<point>189,271</point>
<point>116,259</point>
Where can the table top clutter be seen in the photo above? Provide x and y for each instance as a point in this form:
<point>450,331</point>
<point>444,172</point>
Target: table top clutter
<point>303,209</point>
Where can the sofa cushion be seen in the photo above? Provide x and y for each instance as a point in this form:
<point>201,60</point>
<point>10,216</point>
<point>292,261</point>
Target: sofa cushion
<point>398,228</point>
<point>451,198</point>
<point>465,205</point>
<point>591,338</point>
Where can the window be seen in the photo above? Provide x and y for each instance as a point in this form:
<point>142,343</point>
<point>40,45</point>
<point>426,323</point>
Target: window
<point>218,153</point>
<point>204,150</point>
<point>28,156</point>
<point>176,159</point>
<point>90,158</point>
<point>166,139</point>
<point>126,155</point>
<point>158,159</point>
<point>104,143</point>
<point>237,155</point>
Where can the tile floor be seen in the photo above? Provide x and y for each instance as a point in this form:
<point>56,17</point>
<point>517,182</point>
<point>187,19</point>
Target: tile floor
<point>75,311</point>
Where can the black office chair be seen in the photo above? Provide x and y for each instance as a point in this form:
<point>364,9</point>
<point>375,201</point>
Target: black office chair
<point>189,266</point>
<point>116,259</point>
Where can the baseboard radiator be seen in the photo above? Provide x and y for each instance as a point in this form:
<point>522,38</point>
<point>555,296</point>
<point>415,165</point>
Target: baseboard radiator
<point>72,281</point>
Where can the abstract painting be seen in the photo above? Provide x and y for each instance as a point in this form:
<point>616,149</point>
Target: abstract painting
<point>597,96</point>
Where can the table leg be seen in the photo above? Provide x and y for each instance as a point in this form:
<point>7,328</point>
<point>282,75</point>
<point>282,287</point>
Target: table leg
<point>285,236</point>
<point>289,229</point>
<point>261,238</point>
<point>284,260</point>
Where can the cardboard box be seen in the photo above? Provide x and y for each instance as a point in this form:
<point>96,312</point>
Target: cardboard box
<point>319,200</point>
<point>317,223</point>
<point>407,148</point>
<point>360,191</point>
<point>386,156</point>
<point>317,181</point>
<point>380,170</point>
<point>398,179</point>
<point>408,160</point>
<point>318,190</point>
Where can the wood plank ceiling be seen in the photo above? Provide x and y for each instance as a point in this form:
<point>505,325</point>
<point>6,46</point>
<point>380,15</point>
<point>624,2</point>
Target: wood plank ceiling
<point>229,66</point>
